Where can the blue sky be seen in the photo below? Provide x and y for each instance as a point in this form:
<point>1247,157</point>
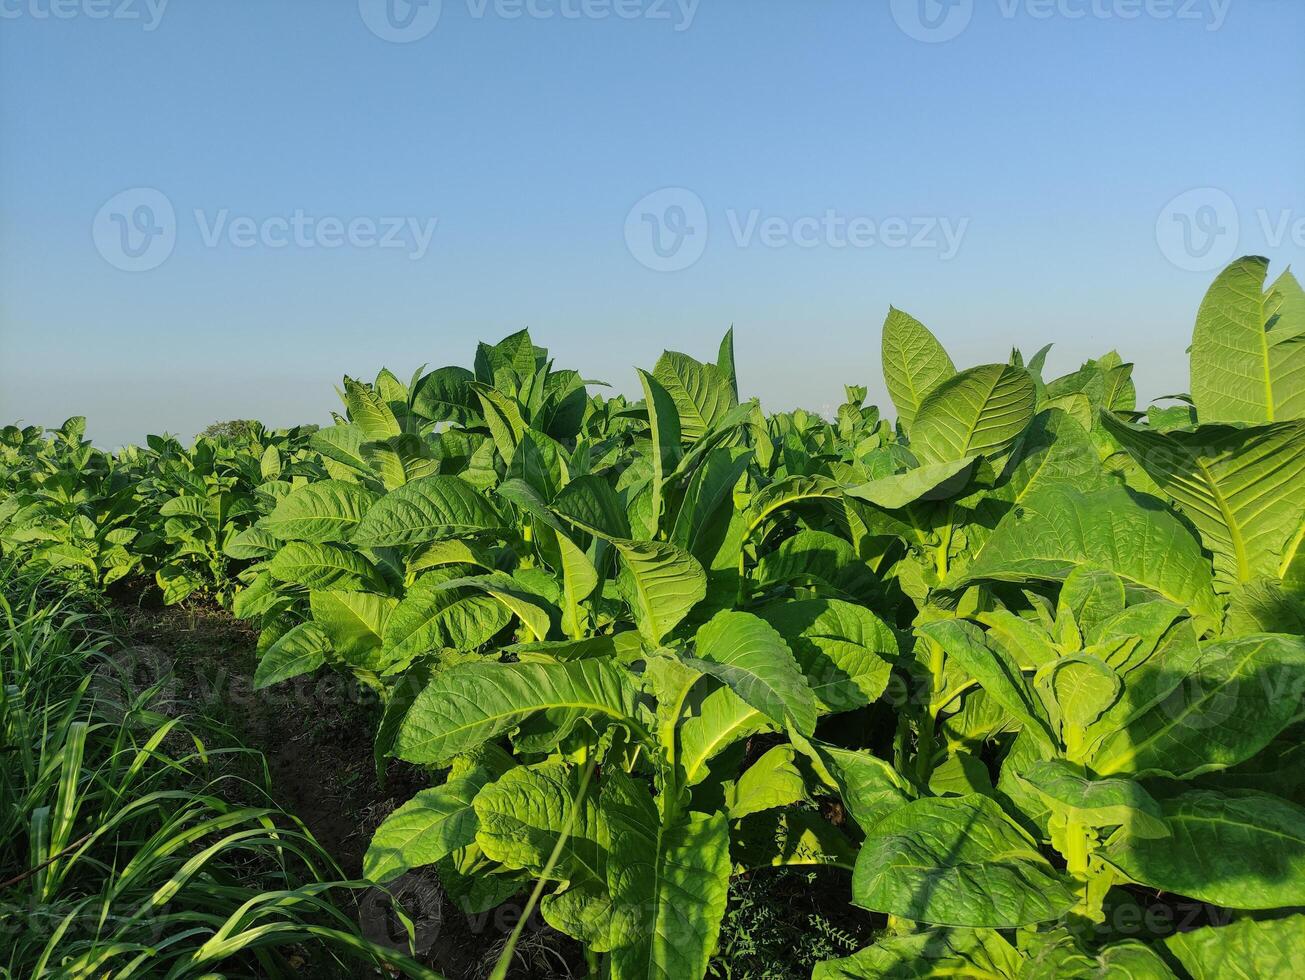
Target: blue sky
<point>1013,178</point>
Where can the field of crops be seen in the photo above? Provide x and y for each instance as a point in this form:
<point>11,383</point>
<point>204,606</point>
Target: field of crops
<point>1017,667</point>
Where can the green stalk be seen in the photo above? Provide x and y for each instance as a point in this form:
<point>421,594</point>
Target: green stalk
<point>925,749</point>
<point>505,958</point>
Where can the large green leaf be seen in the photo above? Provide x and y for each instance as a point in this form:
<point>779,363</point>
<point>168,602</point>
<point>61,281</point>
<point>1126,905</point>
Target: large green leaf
<point>844,649</point>
<point>979,412</point>
<point>746,654</point>
<point>299,651</point>
<point>322,512</point>
<point>354,623</point>
<point>1096,802</point>
<point>469,704</point>
<point>774,780</point>
<point>930,953</point>
<point>1242,487</point>
<point>368,411</point>
<point>428,509</point>
<point>870,787</point>
<point>936,481</point>
<point>668,885</point>
<point>957,861</point>
<point>996,671</point>
<point>444,395</point>
<point>914,363</point>
<point>1221,710</point>
<point>342,445</point>
<point>701,392</point>
<point>720,720</point>
<point>1248,351</point>
<point>1245,948</point>
<point>1240,849</point>
<point>439,613</point>
<point>430,826</point>
<point>661,583</point>
<point>664,426</point>
<point>1058,529</point>
<point>323,566</point>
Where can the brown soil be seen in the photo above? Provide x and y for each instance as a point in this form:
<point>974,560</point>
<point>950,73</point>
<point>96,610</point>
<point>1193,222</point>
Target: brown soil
<point>316,735</point>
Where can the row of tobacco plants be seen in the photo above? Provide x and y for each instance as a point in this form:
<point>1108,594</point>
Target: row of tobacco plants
<point>1026,661</point>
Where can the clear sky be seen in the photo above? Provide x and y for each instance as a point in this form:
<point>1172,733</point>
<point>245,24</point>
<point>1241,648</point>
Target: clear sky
<point>1009,171</point>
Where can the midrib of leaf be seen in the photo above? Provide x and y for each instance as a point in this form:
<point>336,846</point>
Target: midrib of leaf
<point>1289,554</point>
<point>710,747</point>
<point>1256,828</point>
<point>1234,528</point>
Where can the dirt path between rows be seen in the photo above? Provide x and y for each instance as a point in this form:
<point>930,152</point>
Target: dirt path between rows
<point>316,736</point>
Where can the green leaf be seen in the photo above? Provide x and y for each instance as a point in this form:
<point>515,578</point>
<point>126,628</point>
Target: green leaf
<point>469,704</point>
<point>525,812</point>
<point>300,651</point>
<point>788,491</point>
<point>772,781</point>
<point>590,503</point>
<point>353,622</point>
<point>720,720</point>
<point>844,649</point>
<point>1090,597</point>
<point>725,362</point>
<point>701,393</point>
<point>995,670</point>
<point>1057,530</point>
<point>342,444</point>
<point>1096,802</point>
<point>1221,710</point>
<point>439,613</point>
<point>957,861</point>
<point>935,481</point>
<point>747,655</point>
<point>430,826</point>
<point>661,583</point>
<point>322,512</point>
<point>914,364</point>
<point>664,423</point>
<point>1058,955</point>
<point>1242,850</point>
<point>870,787</point>
<point>428,509</point>
<point>668,885</point>
<point>323,566</point>
<point>1078,690</point>
<point>368,411</point>
<point>444,395</point>
<point>1243,487</point>
<point>979,412</point>
<point>1248,948</point>
<point>930,953</point>
<point>790,838</point>
<point>1248,362</point>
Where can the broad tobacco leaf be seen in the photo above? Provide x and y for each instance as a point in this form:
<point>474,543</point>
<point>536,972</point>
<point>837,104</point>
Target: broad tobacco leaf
<point>957,861</point>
